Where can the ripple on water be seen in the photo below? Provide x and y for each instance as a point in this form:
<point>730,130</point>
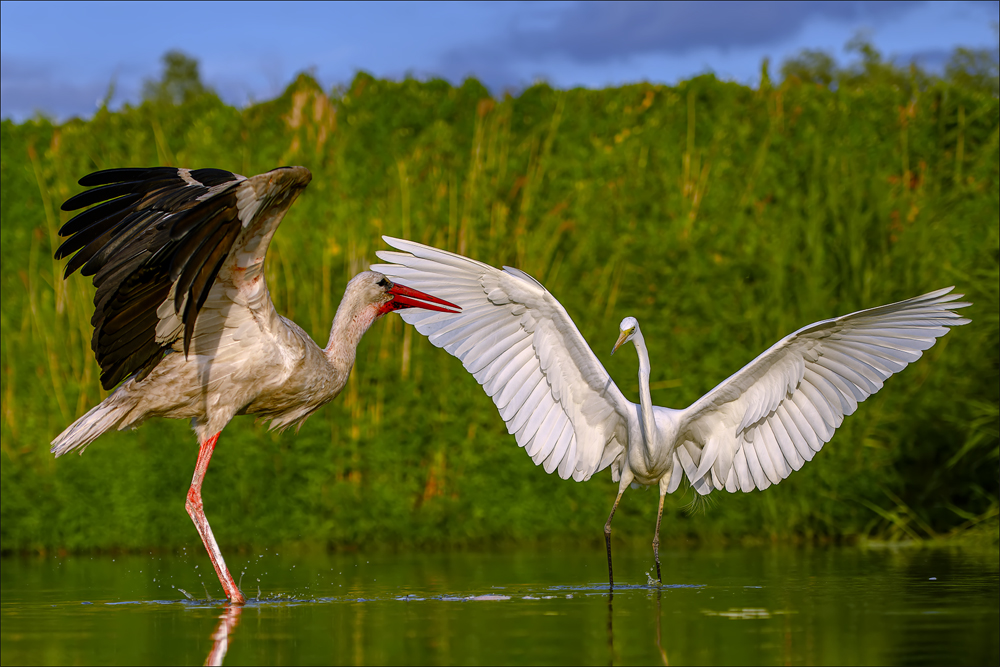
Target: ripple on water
<point>841,605</point>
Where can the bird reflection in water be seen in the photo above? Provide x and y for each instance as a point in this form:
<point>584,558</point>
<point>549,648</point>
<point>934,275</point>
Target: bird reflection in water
<point>659,631</point>
<point>228,621</point>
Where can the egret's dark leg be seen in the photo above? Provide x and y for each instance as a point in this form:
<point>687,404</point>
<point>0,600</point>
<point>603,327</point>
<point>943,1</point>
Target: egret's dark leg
<point>611,629</point>
<point>197,513</point>
<point>656,540</point>
<point>659,632</point>
<point>607,540</point>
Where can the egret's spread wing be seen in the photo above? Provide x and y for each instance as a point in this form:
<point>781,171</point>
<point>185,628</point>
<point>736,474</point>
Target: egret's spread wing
<point>522,346</point>
<point>156,242</point>
<point>772,416</point>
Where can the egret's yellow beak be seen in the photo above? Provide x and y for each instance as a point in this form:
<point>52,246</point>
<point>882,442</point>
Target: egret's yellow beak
<point>621,339</point>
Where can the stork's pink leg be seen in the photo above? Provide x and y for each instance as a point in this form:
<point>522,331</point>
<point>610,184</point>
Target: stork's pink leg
<point>222,635</point>
<point>197,513</point>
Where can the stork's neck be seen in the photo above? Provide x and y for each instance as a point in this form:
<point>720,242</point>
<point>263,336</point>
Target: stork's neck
<point>349,325</point>
<point>645,399</point>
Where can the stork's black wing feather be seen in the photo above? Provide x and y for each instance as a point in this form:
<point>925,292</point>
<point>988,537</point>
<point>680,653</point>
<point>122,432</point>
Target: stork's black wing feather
<point>149,227</point>
<point>160,233</point>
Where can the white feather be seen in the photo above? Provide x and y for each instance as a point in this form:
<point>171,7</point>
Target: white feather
<point>751,431</point>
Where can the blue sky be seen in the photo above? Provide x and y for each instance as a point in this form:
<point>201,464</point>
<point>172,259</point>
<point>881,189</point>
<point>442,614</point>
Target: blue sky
<point>59,58</point>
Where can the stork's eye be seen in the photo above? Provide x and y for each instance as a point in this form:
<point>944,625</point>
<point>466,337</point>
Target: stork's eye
<point>384,283</point>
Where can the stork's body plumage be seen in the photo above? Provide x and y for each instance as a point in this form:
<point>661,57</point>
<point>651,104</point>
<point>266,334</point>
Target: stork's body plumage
<point>183,314</point>
<point>564,409</point>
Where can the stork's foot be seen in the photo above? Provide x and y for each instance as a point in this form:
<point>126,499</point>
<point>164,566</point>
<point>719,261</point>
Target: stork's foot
<point>196,510</point>
<point>238,599</point>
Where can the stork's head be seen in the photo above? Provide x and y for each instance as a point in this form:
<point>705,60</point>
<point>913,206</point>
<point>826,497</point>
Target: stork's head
<point>375,290</point>
<point>627,330</point>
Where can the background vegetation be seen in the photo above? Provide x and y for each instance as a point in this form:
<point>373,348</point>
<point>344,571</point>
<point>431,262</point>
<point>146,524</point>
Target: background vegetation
<point>722,216</point>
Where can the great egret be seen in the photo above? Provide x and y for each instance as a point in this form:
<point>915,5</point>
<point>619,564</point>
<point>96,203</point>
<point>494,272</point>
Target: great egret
<point>183,314</point>
<point>564,409</point>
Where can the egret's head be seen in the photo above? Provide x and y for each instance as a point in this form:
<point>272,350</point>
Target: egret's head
<point>627,330</point>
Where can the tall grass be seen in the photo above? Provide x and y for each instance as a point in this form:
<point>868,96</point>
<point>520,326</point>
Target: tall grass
<point>721,216</point>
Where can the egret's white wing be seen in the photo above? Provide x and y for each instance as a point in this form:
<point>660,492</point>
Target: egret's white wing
<point>520,344</point>
<point>772,416</point>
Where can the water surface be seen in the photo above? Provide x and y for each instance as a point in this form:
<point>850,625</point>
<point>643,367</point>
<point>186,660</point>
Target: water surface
<point>734,606</point>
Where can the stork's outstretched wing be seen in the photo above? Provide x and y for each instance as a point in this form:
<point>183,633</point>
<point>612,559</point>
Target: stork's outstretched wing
<point>772,416</point>
<point>519,343</point>
<point>156,247</point>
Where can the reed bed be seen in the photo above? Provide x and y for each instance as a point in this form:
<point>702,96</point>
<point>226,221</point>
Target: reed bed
<point>723,217</point>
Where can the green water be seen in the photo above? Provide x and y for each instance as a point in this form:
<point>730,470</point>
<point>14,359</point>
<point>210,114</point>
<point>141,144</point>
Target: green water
<point>734,606</point>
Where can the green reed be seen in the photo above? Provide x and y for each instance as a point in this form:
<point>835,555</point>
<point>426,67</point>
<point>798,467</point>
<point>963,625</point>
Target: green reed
<point>721,216</point>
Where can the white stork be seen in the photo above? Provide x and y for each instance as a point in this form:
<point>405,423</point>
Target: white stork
<point>183,315</point>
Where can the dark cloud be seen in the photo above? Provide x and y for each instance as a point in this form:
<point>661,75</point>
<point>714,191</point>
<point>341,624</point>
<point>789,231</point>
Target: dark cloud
<point>30,87</point>
<point>602,37</point>
<point>489,65</point>
<point>15,68</point>
<point>931,60</point>
<point>598,31</point>
<point>590,33</point>
<point>936,61</point>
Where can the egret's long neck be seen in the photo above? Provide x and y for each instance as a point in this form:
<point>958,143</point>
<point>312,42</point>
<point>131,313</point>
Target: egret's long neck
<point>645,399</point>
<point>349,325</point>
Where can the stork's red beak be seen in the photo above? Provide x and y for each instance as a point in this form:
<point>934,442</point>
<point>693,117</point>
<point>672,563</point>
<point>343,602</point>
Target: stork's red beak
<point>404,297</point>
